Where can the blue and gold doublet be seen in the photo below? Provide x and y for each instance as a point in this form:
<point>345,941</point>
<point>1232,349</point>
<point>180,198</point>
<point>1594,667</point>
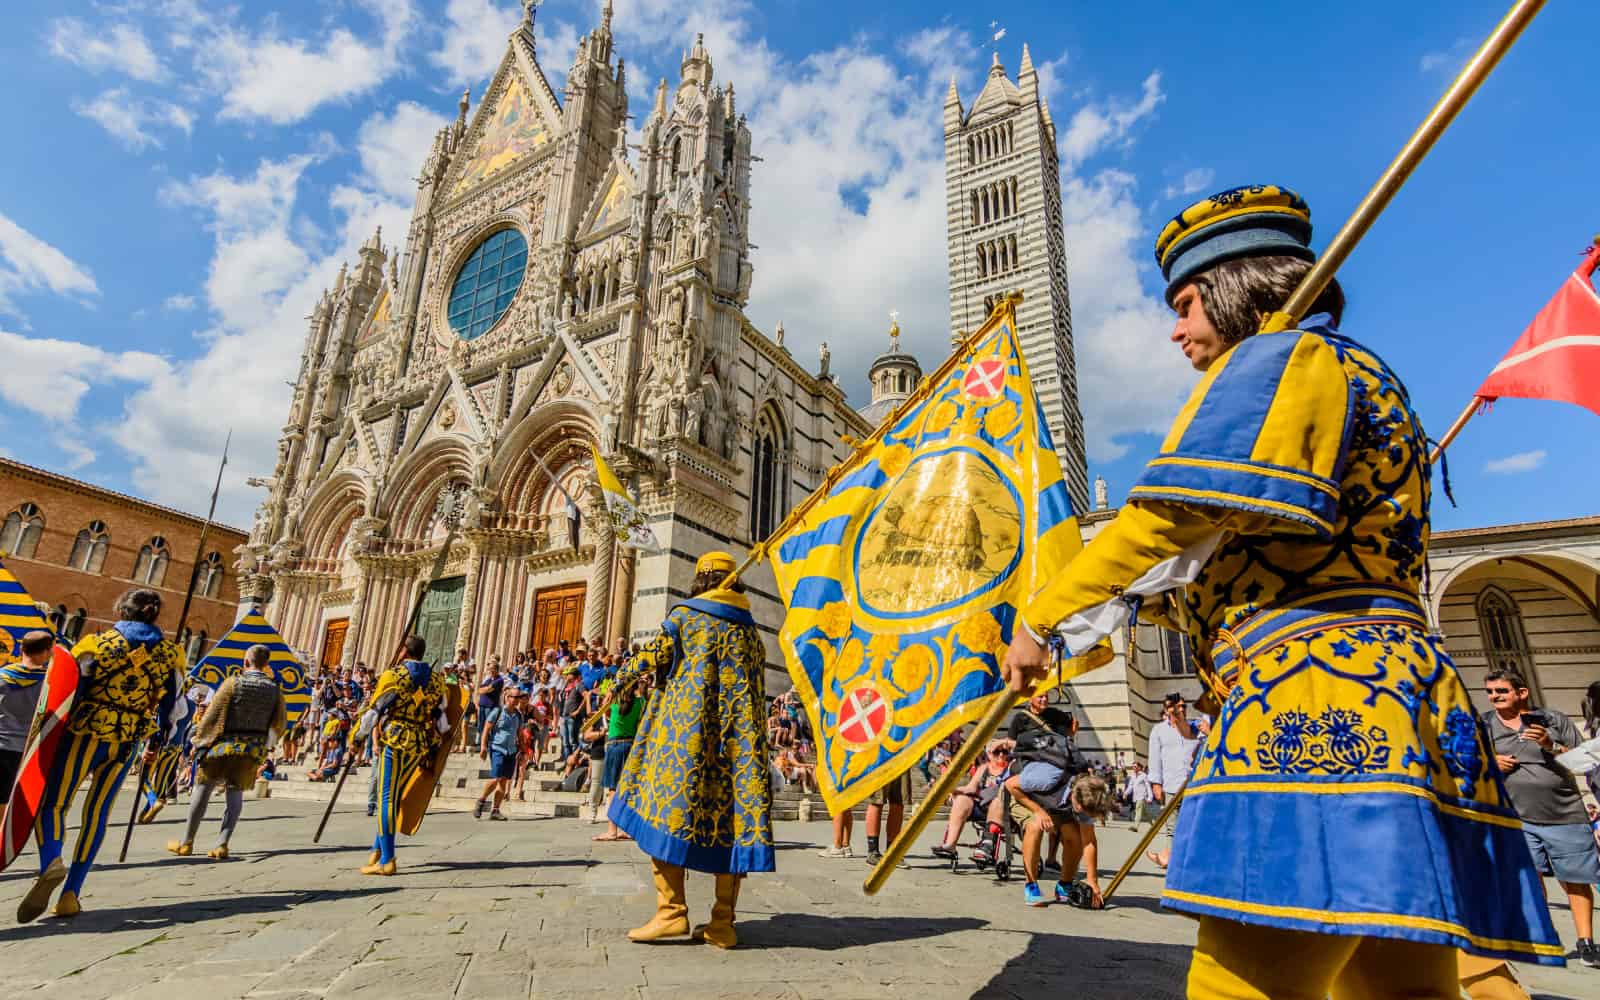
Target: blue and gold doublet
<point>1346,787</point>
<point>696,790</point>
<point>411,724</point>
<point>133,675</point>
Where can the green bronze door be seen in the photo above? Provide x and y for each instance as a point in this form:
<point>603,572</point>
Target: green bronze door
<point>441,618</point>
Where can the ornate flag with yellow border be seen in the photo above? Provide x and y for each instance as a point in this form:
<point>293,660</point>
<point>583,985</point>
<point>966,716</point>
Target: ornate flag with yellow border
<point>903,581</point>
<point>19,615</point>
<point>627,521</point>
<point>227,658</point>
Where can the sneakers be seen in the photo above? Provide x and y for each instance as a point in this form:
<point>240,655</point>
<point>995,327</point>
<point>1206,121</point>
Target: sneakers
<point>837,852</point>
<point>1589,953</point>
<point>984,853</point>
<point>1031,894</point>
<point>873,857</point>
<point>941,851</point>
<point>478,807</point>
<point>498,815</point>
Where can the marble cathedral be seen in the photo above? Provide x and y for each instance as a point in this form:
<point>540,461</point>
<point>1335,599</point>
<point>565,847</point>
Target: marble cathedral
<point>551,293</point>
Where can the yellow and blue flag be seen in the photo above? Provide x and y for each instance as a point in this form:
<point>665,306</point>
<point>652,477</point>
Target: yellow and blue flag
<point>18,616</point>
<point>904,580</point>
<point>227,658</point>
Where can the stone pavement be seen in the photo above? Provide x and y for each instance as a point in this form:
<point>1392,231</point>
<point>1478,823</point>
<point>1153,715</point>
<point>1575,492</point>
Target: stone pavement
<point>531,907</point>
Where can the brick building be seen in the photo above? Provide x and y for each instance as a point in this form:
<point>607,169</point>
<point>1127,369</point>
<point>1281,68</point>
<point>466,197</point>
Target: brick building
<point>77,547</point>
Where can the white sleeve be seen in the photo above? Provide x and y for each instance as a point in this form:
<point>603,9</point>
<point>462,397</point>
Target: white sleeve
<point>1087,627</point>
<point>368,721</point>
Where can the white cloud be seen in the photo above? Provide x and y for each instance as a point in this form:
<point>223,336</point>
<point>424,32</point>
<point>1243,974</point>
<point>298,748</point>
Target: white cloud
<point>1447,58</point>
<point>179,303</point>
<point>474,38</point>
<point>1192,182</point>
<point>392,147</point>
<point>1098,127</point>
<point>120,48</point>
<point>130,119</point>
<point>60,374</point>
<point>1524,461</point>
<point>29,264</point>
<point>266,76</point>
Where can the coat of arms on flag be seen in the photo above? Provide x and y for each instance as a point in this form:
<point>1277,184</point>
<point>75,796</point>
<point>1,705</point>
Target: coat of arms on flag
<point>627,521</point>
<point>904,580</point>
<point>227,658</point>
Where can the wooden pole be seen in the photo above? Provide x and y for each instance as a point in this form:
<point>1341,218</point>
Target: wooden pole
<point>1144,842</point>
<point>1455,429</point>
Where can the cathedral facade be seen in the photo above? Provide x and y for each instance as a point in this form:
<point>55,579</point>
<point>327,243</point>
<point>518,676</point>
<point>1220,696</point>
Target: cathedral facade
<point>552,293</point>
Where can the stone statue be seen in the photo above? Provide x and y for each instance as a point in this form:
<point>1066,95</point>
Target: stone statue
<point>826,356</point>
<point>778,333</point>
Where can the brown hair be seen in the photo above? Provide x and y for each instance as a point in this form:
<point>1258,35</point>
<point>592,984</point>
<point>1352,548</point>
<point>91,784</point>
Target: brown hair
<point>1092,796</point>
<point>37,641</point>
<point>711,579</point>
<point>139,605</point>
<point>1238,294</point>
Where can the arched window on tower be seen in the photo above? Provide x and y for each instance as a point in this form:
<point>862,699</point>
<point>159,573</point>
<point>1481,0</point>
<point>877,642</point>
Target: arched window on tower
<point>209,583</point>
<point>151,565</point>
<point>769,475</point>
<point>1505,641</point>
<point>19,536</point>
<point>90,548</point>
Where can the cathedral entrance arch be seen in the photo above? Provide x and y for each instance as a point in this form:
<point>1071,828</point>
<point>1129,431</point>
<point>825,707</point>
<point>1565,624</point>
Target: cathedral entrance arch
<point>557,615</point>
<point>440,620</point>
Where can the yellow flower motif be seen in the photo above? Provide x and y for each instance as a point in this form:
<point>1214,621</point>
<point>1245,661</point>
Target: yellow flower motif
<point>943,416</point>
<point>882,647</point>
<point>912,668</point>
<point>850,661</point>
<point>693,747</point>
<point>894,459</point>
<point>981,634</point>
<point>969,423</point>
<point>834,619</point>
<point>1000,419</point>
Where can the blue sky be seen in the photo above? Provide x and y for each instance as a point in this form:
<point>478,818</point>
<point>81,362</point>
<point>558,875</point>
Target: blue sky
<point>186,176</point>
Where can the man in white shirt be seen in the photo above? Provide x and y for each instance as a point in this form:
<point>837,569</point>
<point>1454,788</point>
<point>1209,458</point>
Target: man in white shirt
<point>1173,743</point>
<point>1137,791</point>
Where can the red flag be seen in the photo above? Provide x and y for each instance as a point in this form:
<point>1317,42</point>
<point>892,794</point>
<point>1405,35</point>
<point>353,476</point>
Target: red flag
<point>1558,355</point>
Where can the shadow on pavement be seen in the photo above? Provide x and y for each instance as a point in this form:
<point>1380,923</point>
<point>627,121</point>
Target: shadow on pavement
<point>162,915</point>
<point>806,930</point>
<point>1088,966</point>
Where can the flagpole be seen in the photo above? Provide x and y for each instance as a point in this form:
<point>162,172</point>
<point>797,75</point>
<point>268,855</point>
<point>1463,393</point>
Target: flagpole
<point>1455,429</point>
<point>1299,302</point>
<point>183,618</point>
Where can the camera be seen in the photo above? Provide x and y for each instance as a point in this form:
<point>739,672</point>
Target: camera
<point>1080,895</point>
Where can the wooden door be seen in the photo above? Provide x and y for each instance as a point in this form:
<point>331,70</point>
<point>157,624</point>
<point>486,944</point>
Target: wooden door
<point>557,615</point>
<point>333,635</point>
<point>440,620</point>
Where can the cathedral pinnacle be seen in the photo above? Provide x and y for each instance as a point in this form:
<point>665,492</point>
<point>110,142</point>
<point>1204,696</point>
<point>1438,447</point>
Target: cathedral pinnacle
<point>466,102</point>
<point>605,18</point>
<point>997,69</point>
<point>894,331</point>
<point>530,9</point>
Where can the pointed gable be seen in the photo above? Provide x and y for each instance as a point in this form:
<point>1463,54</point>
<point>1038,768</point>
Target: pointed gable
<point>613,203</point>
<point>378,322</point>
<point>513,129</point>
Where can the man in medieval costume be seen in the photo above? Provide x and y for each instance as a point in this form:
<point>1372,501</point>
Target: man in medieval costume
<point>161,782</point>
<point>128,681</point>
<point>407,708</point>
<point>696,792</point>
<point>1345,828</point>
<point>231,739</point>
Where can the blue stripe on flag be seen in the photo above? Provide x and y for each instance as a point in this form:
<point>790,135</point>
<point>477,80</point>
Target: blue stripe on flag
<point>815,591</point>
<point>1055,506</point>
<point>869,476</point>
<point>12,586</point>
<point>829,532</point>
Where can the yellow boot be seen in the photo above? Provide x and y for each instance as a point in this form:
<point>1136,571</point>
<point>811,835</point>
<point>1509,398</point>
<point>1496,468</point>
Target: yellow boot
<point>672,911</point>
<point>720,930</point>
<point>38,897</point>
<point>219,853</point>
<point>381,868</point>
<point>182,848</point>
<point>68,905</point>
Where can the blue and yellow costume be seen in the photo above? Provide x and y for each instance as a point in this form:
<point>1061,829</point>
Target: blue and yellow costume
<point>129,682</point>
<point>161,786</point>
<point>696,792</point>
<point>407,736</point>
<point>1345,819</point>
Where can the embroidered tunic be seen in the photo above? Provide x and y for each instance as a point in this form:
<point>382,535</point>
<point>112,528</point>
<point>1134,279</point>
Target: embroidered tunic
<point>411,724</point>
<point>1346,787</point>
<point>696,790</point>
<point>131,678</point>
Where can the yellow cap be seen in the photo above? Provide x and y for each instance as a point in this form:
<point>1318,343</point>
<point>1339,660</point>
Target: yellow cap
<point>719,562</point>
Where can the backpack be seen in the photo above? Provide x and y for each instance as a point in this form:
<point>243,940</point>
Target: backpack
<point>1050,747</point>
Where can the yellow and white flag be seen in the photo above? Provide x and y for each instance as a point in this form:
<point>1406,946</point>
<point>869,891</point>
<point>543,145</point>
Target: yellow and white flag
<point>627,521</point>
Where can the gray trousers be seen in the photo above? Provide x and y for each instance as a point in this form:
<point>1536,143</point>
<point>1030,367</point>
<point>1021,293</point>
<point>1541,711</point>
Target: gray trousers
<point>233,808</point>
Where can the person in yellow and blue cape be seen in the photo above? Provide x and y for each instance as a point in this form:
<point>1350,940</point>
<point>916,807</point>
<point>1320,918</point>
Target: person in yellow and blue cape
<point>128,681</point>
<point>1284,527</point>
<point>696,791</point>
<point>407,708</point>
